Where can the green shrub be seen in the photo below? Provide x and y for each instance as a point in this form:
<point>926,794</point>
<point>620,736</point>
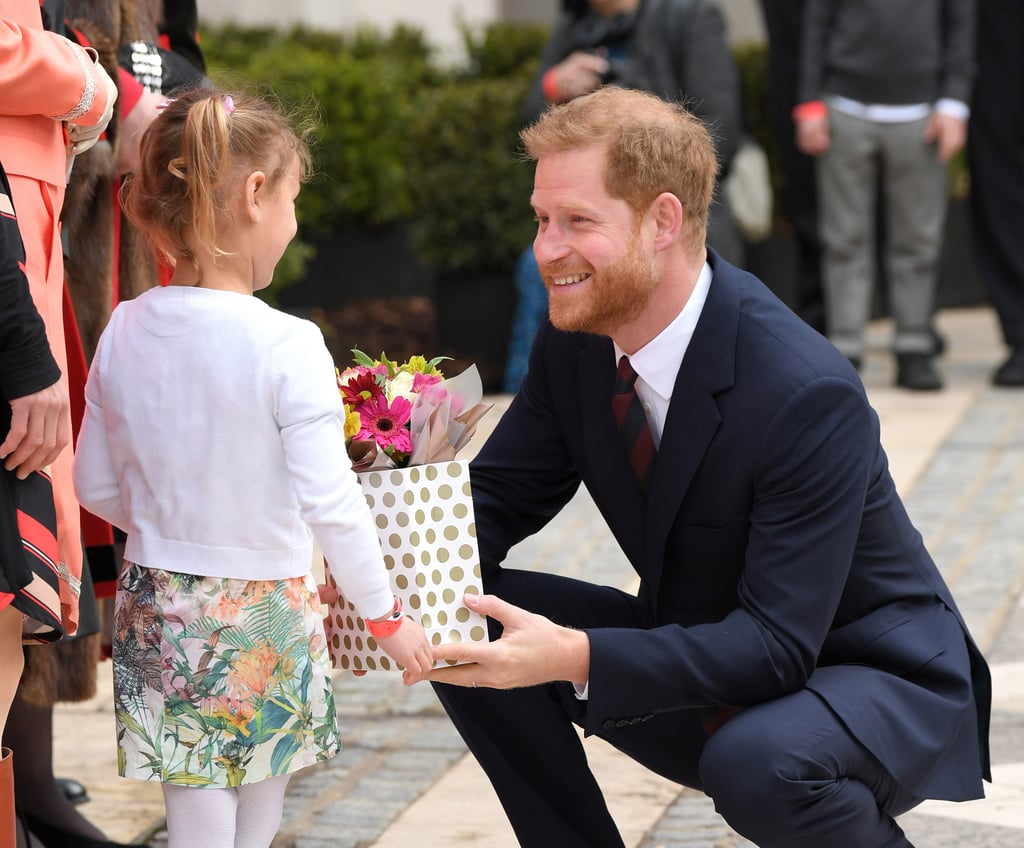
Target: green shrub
<point>362,88</point>
<point>471,191</point>
<point>504,49</point>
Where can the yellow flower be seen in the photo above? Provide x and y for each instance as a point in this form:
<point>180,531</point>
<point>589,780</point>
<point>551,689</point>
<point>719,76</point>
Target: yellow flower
<point>353,423</point>
<point>419,365</point>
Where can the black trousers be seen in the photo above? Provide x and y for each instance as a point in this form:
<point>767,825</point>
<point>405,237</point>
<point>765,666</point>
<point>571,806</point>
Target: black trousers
<point>799,185</point>
<point>996,157</point>
<point>785,774</point>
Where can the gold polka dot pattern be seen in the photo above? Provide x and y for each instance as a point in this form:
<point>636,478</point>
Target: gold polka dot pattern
<point>424,520</point>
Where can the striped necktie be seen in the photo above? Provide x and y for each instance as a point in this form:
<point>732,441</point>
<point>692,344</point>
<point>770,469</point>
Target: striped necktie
<point>632,423</point>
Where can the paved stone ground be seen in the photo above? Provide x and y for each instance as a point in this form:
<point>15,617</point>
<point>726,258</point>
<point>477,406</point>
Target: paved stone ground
<point>391,785</point>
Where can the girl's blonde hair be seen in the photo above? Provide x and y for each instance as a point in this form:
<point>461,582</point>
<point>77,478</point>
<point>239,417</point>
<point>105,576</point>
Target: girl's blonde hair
<point>193,152</point>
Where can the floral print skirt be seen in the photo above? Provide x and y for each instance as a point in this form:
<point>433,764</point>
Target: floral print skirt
<point>219,682</point>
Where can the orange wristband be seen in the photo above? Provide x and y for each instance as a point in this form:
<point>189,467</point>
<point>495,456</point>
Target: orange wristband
<point>811,110</point>
<point>383,629</point>
<point>549,84</point>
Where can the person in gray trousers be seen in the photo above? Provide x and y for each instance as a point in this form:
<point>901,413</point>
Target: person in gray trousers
<point>884,83</point>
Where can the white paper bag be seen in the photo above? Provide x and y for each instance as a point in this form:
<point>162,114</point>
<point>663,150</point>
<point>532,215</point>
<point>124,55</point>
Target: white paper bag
<point>424,520</point>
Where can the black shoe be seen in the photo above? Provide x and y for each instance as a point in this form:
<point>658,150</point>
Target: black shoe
<point>1011,372</point>
<point>916,371</point>
<point>72,790</point>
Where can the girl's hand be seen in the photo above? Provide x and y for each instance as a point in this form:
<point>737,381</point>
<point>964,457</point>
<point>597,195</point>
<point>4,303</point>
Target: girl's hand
<point>409,647</point>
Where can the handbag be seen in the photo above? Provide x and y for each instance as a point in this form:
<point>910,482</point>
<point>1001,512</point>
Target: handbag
<point>748,188</point>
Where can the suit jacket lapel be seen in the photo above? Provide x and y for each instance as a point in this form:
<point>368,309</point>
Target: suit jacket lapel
<point>693,417</point>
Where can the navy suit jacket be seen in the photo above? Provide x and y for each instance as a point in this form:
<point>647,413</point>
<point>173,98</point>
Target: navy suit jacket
<point>773,550</point>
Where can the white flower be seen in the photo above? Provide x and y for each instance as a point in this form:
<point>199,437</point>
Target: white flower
<point>401,386</point>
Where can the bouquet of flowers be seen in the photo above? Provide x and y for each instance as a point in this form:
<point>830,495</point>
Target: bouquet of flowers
<point>397,415</point>
<point>404,424</point>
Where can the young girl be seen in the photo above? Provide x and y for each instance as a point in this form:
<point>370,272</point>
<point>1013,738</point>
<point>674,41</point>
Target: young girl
<point>213,436</point>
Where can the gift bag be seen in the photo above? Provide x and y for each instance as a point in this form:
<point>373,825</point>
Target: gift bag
<point>424,520</point>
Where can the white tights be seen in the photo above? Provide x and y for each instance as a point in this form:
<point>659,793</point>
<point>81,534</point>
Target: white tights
<point>240,817</point>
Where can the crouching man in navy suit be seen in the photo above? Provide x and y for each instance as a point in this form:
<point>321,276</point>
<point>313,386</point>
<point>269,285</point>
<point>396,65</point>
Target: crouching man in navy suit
<point>793,650</point>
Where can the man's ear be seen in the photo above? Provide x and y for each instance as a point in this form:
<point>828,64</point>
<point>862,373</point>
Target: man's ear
<point>255,191</point>
<point>666,212</point>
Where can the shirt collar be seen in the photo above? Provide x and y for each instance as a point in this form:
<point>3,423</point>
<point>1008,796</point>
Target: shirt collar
<point>657,363</point>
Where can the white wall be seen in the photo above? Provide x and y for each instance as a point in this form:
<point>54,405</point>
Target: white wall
<point>439,18</point>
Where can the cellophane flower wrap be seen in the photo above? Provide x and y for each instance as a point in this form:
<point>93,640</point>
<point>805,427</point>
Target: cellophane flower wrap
<point>404,424</point>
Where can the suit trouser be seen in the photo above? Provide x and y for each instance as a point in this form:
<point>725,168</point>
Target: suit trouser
<point>785,774</point>
<point>915,194</point>
<point>996,155</point>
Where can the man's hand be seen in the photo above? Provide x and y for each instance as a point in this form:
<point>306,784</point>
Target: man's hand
<point>532,650</point>
<point>813,135</point>
<point>40,430</point>
<point>948,133</point>
<point>579,73</point>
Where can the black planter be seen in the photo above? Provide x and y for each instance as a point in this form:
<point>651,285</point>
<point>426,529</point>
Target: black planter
<point>474,321</point>
<point>358,264</point>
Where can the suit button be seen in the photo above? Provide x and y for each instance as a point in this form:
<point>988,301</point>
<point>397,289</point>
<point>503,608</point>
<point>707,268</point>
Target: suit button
<point>647,717</point>
<point>635,720</point>
<point>609,724</point>
<point>622,722</point>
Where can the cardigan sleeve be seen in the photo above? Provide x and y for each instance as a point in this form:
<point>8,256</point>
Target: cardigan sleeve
<point>310,417</point>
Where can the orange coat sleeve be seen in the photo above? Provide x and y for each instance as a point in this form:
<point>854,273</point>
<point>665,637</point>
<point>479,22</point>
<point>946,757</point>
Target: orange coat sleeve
<point>42,73</point>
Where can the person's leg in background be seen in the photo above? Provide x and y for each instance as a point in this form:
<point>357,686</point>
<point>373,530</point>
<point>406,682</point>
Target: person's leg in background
<point>10,674</point>
<point>64,671</point>
<point>916,197</point>
<point>531,308</point>
<point>799,183</point>
<point>846,200</point>
<point>995,148</point>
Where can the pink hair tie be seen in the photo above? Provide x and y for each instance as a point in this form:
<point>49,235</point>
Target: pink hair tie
<point>229,105</point>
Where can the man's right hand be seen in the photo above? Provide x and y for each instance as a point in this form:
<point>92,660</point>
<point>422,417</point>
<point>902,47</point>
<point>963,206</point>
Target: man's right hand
<point>40,430</point>
<point>813,135</point>
<point>580,73</point>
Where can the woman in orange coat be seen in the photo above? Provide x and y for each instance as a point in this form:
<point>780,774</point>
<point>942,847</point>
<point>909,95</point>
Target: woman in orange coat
<point>55,101</point>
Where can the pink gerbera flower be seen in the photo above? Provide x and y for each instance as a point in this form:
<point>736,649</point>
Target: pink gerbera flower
<point>385,424</point>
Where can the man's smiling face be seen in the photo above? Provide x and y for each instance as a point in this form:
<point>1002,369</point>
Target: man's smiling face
<point>597,269</point>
